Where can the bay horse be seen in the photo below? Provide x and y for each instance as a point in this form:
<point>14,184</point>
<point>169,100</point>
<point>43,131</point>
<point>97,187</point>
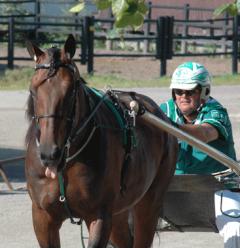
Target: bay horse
<point>75,157</point>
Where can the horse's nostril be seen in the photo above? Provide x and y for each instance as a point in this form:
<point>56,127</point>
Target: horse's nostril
<point>48,154</point>
<point>56,152</point>
<point>43,156</point>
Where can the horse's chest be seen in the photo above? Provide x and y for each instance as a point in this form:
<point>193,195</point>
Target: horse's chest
<point>46,195</point>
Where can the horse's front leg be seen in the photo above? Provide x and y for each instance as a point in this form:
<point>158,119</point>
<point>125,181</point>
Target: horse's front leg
<point>99,231</point>
<point>46,229</point>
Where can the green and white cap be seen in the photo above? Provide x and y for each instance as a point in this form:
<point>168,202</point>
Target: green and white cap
<point>190,74</point>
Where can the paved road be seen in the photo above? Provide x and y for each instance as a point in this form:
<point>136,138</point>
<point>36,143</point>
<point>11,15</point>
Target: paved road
<point>15,208</point>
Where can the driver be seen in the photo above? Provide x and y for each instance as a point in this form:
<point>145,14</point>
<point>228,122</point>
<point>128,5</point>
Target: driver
<point>194,111</point>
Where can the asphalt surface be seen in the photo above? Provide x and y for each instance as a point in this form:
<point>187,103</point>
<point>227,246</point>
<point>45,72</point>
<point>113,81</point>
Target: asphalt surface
<point>15,207</point>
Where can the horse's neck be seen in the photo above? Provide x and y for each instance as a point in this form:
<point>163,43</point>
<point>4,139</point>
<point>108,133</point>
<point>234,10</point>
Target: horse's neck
<point>82,105</point>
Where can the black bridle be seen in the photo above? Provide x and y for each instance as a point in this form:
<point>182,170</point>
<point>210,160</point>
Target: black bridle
<point>53,67</point>
<point>72,133</point>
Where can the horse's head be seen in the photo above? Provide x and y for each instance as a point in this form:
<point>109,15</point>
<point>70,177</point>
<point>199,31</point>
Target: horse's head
<point>53,92</point>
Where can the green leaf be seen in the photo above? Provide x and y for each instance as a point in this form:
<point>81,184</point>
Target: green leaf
<point>127,19</point>
<point>119,6</point>
<point>232,9</point>
<point>221,9</point>
<point>126,12</point>
<point>132,7</point>
<point>77,8</point>
<point>103,4</point>
<point>137,20</point>
<point>238,5</point>
<point>123,20</point>
<point>142,8</point>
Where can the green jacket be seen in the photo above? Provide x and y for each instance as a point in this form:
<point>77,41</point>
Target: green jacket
<point>192,160</point>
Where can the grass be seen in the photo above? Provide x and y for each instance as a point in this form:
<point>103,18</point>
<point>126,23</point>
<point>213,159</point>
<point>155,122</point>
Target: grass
<point>19,79</point>
<point>118,82</point>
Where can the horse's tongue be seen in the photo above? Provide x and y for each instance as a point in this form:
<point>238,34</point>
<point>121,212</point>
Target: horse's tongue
<point>51,172</point>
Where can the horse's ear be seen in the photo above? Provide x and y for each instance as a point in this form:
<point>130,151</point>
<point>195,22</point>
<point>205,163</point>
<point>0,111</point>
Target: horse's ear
<point>34,51</point>
<point>70,46</point>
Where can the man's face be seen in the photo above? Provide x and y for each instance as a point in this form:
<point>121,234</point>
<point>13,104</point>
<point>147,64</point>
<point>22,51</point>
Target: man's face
<point>188,101</point>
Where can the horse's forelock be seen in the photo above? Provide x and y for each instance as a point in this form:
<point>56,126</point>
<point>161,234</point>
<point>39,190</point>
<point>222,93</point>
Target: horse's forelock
<point>54,58</point>
<point>53,54</point>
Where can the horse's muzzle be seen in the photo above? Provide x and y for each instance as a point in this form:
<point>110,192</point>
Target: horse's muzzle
<point>50,155</point>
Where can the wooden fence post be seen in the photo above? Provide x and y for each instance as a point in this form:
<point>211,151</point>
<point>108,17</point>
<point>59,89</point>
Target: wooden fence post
<point>164,41</point>
<point>89,33</point>
<point>37,17</point>
<point>185,27</point>
<point>225,33</point>
<point>236,26</point>
<point>170,37</point>
<point>110,42</point>
<point>147,28</point>
<point>83,55</point>
<point>10,42</point>
<point>159,44</point>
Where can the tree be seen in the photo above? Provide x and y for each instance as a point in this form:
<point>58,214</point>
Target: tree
<point>231,8</point>
<point>126,12</point>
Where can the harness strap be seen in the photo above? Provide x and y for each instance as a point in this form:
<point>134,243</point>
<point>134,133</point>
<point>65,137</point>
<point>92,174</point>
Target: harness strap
<point>62,198</point>
<point>126,125</point>
<point>68,159</point>
<point>115,112</point>
<point>90,117</point>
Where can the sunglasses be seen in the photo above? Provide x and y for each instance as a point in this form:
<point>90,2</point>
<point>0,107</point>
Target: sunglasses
<point>180,92</point>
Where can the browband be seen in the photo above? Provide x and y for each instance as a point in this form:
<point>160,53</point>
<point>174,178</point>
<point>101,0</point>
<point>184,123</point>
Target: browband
<point>55,66</point>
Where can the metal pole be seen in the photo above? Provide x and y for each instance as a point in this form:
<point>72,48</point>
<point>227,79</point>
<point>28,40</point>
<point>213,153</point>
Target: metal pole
<point>10,160</point>
<point>90,43</point>
<point>170,37</point>
<point>224,33</point>
<point>37,17</point>
<point>185,28</point>
<point>235,45</point>
<point>161,44</point>
<point>10,42</point>
<point>83,59</point>
<point>2,172</point>
<point>5,179</point>
<point>147,28</point>
<point>219,156</point>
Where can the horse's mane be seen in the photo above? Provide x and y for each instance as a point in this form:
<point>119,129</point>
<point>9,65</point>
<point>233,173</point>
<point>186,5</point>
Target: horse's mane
<point>29,114</point>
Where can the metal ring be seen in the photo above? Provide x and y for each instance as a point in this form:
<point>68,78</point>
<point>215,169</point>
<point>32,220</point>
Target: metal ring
<point>62,198</point>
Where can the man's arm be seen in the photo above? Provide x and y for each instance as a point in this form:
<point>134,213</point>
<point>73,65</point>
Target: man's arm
<point>205,132</point>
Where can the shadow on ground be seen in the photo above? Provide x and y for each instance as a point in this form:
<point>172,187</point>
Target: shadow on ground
<point>14,170</point>
<point>2,67</point>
